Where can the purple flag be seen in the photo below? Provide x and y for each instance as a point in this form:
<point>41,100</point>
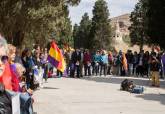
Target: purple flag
<point>163,60</point>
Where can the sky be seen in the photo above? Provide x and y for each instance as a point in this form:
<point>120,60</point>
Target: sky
<point>116,8</point>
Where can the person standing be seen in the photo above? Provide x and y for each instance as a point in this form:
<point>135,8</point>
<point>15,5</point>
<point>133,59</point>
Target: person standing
<point>140,69</point>
<point>135,62</point>
<point>28,63</point>
<point>81,61</point>
<point>67,60</point>
<point>155,66</point>
<point>129,57</point>
<point>104,63</point>
<point>76,57</point>
<point>87,63</point>
<point>96,60</point>
<point>110,63</point>
<point>115,65</point>
<point>119,63</point>
<point>146,63</point>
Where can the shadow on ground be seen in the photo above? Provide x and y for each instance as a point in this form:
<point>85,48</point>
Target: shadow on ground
<point>138,81</point>
<point>49,88</point>
<point>118,80</point>
<point>153,97</point>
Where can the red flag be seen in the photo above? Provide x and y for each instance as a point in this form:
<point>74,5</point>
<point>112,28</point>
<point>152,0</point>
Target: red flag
<point>9,79</point>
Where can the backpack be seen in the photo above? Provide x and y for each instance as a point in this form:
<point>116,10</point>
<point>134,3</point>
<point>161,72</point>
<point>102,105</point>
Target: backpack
<point>138,90</point>
<point>127,85</point>
<point>5,101</point>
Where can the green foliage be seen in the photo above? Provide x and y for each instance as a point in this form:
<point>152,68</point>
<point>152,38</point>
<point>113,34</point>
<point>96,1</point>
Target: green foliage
<point>156,25</point>
<point>148,23</point>
<point>35,19</point>
<point>100,36</point>
<point>76,35</point>
<point>138,26</point>
<point>82,32</point>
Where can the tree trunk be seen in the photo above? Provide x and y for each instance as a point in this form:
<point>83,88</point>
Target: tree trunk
<point>142,42</point>
<point>141,47</point>
<point>18,38</point>
<point>9,39</point>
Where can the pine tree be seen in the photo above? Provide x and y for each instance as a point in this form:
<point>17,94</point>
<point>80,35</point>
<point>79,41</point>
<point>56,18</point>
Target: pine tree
<point>23,20</point>
<point>156,25</point>
<point>81,33</point>
<point>138,27</point>
<point>84,31</point>
<point>76,36</point>
<point>100,35</point>
<point>148,23</point>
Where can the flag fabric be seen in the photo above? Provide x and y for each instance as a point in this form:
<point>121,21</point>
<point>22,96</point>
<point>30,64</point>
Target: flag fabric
<point>9,79</point>
<point>56,57</point>
<point>163,62</point>
<point>125,65</point>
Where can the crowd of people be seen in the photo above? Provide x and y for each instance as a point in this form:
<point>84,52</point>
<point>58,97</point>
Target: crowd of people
<point>143,64</point>
<point>21,72</point>
<point>24,70</point>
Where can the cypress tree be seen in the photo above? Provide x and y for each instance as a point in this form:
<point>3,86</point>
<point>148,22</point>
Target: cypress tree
<point>100,35</point>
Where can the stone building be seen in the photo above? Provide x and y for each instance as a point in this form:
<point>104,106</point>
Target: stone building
<point>120,26</point>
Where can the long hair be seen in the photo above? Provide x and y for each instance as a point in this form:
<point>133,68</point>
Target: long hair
<point>3,44</point>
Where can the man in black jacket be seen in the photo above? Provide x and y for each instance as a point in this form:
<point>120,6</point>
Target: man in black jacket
<point>130,58</point>
<point>76,58</point>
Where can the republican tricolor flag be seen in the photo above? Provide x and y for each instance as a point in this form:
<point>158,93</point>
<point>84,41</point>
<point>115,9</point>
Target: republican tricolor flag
<point>56,57</point>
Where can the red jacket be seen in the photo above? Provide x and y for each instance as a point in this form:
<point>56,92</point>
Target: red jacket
<point>87,58</point>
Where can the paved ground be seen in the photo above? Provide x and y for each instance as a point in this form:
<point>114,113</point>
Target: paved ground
<point>97,96</point>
